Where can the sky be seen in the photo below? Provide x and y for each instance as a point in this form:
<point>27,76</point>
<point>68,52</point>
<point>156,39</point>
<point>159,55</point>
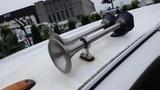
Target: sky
<point>11,5</point>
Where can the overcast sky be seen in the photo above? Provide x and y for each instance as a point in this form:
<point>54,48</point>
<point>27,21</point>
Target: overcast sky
<point>11,5</point>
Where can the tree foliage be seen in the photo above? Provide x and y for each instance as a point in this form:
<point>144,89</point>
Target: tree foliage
<point>44,31</point>
<point>85,20</point>
<point>35,34</point>
<point>71,24</point>
<point>94,17</point>
<point>125,8</point>
<point>56,29</point>
<point>8,42</point>
<point>156,1</point>
<point>97,16</point>
<point>135,4</point>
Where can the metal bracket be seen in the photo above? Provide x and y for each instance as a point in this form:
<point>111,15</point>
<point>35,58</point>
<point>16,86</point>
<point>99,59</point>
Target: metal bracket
<point>86,55</point>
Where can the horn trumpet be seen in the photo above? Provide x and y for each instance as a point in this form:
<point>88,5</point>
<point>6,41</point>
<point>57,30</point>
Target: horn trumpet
<point>108,20</point>
<point>61,54</point>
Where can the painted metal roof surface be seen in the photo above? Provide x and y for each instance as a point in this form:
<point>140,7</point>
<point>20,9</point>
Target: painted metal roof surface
<point>132,68</point>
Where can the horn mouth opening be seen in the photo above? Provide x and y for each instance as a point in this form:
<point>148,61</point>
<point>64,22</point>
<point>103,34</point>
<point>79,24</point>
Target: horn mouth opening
<point>56,37</point>
<point>59,56</point>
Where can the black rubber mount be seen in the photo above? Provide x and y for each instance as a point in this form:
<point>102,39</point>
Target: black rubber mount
<point>86,56</point>
<point>127,24</point>
<point>88,59</point>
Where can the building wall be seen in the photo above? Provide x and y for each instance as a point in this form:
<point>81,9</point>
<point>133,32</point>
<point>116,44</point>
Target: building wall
<point>77,7</point>
<point>60,10</point>
<point>88,6</point>
<point>42,14</point>
<point>54,10</point>
<point>49,11</point>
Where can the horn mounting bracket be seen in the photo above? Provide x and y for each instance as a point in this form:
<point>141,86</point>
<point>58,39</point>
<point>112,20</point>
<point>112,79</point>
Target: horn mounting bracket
<point>86,55</point>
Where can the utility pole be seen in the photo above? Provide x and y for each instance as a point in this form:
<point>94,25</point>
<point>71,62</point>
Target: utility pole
<point>108,1</point>
<point>112,4</point>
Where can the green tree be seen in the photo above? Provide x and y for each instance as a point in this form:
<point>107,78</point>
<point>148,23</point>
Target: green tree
<point>44,31</point>
<point>85,20</point>
<point>8,42</point>
<point>135,4</point>
<point>156,1</point>
<point>125,8</point>
<point>97,16</point>
<point>92,17</point>
<point>57,30</point>
<point>71,24</point>
<point>35,34</point>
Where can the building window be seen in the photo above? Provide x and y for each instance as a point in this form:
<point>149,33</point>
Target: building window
<point>58,16</point>
<point>63,15</point>
<point>71,11</point>
<point>54,17</point>
<point>56,5</point>
<point>60,4</point>
<point>51,7</point>
<point>47,8</point>
<point>50,19</point>
<point>64,4</point>
<point>67,13</point>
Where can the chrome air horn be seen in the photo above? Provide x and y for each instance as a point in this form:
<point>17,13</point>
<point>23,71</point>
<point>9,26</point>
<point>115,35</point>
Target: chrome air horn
<point>108,20</point>
<point>61,54</point>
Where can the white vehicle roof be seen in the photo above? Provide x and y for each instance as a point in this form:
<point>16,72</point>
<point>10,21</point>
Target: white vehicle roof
<point>35,62</point>
<point>127,73</point>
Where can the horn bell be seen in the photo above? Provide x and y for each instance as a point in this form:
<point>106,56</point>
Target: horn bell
<point>59,56</point>
<point>56,37</point>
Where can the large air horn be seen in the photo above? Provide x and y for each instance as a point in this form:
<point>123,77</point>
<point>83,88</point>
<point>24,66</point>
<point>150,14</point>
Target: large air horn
<point>108,20</point>
<point>61,54</point>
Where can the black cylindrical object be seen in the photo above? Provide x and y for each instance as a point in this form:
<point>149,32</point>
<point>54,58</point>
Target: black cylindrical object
<point>127,24</point>
<point>108,20</point>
